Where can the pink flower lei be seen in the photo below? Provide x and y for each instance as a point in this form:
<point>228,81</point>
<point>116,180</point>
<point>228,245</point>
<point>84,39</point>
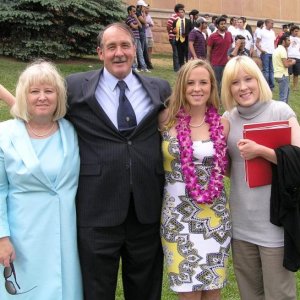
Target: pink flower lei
<point>215,185</point>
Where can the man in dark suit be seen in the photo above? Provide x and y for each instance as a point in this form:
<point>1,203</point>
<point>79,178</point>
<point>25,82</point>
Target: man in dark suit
<point>121,177</point>
<point>182,28</point>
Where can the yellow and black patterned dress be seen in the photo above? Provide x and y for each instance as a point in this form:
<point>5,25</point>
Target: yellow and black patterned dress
<point>195,237</point>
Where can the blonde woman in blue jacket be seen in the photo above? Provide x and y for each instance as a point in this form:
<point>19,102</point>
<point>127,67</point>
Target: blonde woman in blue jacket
<point>39,167</point>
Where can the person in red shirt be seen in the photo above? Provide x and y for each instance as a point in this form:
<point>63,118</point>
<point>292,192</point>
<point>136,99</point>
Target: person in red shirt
<point>218,45</point>
<point>285,29</point>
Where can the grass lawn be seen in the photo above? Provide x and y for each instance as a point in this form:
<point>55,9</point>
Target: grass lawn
<point>10,70</point>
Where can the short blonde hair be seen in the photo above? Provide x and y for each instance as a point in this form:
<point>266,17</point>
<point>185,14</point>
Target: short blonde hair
<point>232,67</point>
<point>178,96</point>
<point>39,72</point>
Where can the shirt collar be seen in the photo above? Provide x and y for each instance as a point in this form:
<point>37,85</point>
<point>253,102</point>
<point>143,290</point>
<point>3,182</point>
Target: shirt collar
<point>112,81</point>
<point>222,34</point>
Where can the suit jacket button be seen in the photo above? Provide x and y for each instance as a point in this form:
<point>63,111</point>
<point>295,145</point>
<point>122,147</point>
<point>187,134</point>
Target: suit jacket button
<point>129,143</point>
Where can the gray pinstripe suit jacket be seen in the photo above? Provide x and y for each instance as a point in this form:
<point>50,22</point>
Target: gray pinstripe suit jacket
<point>114,166</point>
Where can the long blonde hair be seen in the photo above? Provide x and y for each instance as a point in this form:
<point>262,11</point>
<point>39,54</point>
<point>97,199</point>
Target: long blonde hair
<point>178,96</point>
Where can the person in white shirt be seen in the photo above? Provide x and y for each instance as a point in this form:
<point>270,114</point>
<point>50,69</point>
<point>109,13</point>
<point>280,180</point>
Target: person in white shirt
<point>232,28</point>
<point>233,25</point>
<point>149,35</point>
<point>259,26</point>
<point>294,52</point>
<point>245,33</point>
<point>265,44</point>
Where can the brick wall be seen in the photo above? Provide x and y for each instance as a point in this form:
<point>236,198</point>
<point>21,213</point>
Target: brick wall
<point>281,11</point>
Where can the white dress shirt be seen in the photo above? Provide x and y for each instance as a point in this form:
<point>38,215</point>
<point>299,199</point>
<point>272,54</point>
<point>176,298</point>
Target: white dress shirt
<point>107,95</point>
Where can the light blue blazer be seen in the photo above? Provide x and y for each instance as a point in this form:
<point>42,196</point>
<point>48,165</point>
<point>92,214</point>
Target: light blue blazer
<point>39,216</point>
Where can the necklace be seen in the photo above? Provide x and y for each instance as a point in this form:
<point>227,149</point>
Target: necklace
<point>197,126</point>
<point>40,134</point>
<point>215,184</point>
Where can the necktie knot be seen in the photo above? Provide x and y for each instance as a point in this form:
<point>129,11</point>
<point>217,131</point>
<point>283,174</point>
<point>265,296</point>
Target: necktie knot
<point>122,85</point>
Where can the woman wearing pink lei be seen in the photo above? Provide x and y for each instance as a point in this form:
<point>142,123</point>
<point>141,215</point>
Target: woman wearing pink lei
<point>196,225</point>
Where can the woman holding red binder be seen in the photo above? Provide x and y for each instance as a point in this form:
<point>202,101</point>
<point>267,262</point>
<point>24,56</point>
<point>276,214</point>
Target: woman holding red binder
<point>257,244</point>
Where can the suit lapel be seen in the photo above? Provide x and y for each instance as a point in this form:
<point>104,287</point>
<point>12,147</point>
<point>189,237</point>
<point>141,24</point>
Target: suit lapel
<point>22,144</point>
<point>154,95</point>
<point>151,89</point>
<point>89,89</point>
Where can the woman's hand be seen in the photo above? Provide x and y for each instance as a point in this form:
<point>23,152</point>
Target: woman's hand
<point>7,252</point>
<point>249,150</point>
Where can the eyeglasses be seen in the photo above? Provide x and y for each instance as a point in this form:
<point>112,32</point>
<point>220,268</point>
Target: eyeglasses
<point>9,286</point>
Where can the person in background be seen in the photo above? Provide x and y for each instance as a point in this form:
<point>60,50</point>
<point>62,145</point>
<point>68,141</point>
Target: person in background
<point>281,63</point>
<point>233,26</point>
<point>134,24</point>
<point>257,244</point>
<point>140,13</point>
<point>265,44</point>
<point>149,35</point>
<point>290,25</point>
<point>208,19</point>
<point>246,25</point>
<point>193,15</point>
<point>217,47</point>
<point>259,26</point>
<point>240,30</point>
<point>256,52</point>
<point>197,41</point>
<point>195,222</point>
<point>285,29</point>
<point>294,52</point>
<point>226,18</point>
<point>39,170</point>
<point>239,48</point>
<point>182,28</point>
<point>212,26</point>
<point>172,35</point>
<point>206,31</point>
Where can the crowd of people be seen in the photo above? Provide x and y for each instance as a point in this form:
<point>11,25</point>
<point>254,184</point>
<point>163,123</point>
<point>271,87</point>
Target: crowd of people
<point>218,43</point>
<point>140,22</point>
<point>112,165</point>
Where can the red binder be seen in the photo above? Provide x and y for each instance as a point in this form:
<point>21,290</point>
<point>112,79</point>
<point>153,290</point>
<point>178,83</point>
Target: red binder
<point>270,134</point>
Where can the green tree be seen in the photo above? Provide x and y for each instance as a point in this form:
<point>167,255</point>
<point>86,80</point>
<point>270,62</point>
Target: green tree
<point>54,28</point>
